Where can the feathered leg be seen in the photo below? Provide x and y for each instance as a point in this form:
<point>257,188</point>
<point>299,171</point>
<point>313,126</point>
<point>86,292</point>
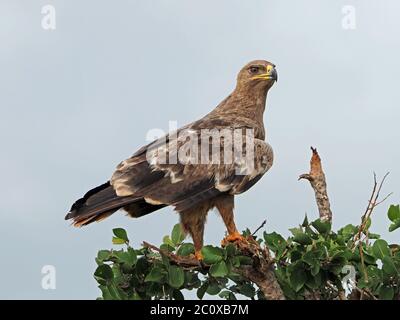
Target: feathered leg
<point>225,207</point>
<point>193,221</point>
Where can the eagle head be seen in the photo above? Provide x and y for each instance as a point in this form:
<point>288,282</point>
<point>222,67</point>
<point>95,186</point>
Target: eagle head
<point>258,73</point>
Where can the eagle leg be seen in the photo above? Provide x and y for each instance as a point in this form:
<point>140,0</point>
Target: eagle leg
<point>225,207</point>
<point>193,221</point>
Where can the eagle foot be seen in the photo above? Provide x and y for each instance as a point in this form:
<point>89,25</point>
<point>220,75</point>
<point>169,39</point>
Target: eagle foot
<point>233,237</point>
<point>198,255</point>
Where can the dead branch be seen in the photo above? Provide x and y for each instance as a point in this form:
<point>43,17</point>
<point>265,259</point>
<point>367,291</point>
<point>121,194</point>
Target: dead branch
<point>316,177</point>
<point>372,204</point>
<point>261,272</point>
<point>258,229</point>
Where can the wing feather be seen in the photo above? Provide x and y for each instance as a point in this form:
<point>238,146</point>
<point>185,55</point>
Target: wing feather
<point>149,173</point>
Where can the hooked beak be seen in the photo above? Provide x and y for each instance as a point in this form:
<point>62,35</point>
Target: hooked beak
<point>271,74</point>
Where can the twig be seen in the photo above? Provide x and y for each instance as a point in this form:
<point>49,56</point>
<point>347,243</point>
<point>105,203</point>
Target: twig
<point>262,225</point>
<point>185,262</point>
<point>316,177</point>
<point>372,204</point>
<point>363,292</point>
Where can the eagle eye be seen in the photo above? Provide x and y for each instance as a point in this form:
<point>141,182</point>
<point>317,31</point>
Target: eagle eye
<point>254,69</point>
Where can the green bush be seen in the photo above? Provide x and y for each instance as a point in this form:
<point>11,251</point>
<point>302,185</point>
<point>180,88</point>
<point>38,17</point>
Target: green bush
<point>310,264</point>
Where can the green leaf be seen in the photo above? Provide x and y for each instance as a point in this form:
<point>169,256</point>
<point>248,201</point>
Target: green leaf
<point>177,235</point>
<point>202,290</point>
<point>230,250</point>
<point>228,295</point>
<point>338,261</point>
<point>274,241</point>
<point>347,232</point>
<point>105,292</point>
<point>314,282</point>
<point>244,260</point>
<point>176,277</point>
<point>247,290</point>
<point>219,269</point>
<point>310,258</point>
<point>369,259</point>
<point>300,236</point>
<point>212,254</point>
<point>315,269</point>
<point>380,249</point>
<point>295,255</point>
<point>386,293</point>
<point>297,278</point>
<point>235,262</point>
<point>155,275</point>
<point>167,240</point>
<point>389,267</point>
<point>155,289</point>
<point>348,229</point>
<point>103,255</point>
<point>104,272</point>
<point>129,257</point>
<point>116,240</point>
<point>192,280</point>
<point>374,275</point>
<point>213,289</point>
<point>323,227</point>
<point>314,263</point>
<point>116,293</point>
<point>394,213</point>
<point>121,233</point>
<point>167,247</point>
<point>132,255</point>
<point>368,224</point>
<point>135,296</point>
<point>177,295</point>
<point>373,235</point>
<point>305,222</point>
<point>395,225</point>
<point>185,249</point>
<point>142,266</point>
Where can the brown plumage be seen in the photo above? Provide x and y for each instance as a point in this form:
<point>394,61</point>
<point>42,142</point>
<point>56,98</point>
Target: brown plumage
<point>191,169</point>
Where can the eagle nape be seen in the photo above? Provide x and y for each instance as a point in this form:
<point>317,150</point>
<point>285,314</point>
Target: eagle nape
<point>145,183</point>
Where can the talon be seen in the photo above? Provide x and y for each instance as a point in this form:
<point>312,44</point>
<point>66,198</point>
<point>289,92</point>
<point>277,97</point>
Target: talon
<point>198,255</point>
<point>233,237</point>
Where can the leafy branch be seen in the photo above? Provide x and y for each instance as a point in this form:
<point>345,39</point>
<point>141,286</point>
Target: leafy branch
<point>314,262</point>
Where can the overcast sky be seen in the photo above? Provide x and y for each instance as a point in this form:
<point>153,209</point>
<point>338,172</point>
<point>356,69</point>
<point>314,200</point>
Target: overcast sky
<point>77,100</point>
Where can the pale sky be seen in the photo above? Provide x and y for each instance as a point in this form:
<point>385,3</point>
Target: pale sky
<point>77,100</point>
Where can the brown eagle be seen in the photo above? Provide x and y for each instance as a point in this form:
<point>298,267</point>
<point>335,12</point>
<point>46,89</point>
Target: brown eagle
<point>200,166</point>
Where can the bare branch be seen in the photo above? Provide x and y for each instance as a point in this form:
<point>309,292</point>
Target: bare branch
<point>261,226</point>
<point>372,204</point>
<point>316,177</point>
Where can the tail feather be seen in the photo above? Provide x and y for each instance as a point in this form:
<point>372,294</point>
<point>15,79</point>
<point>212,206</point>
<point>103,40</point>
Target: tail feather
<point>102,201</point>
